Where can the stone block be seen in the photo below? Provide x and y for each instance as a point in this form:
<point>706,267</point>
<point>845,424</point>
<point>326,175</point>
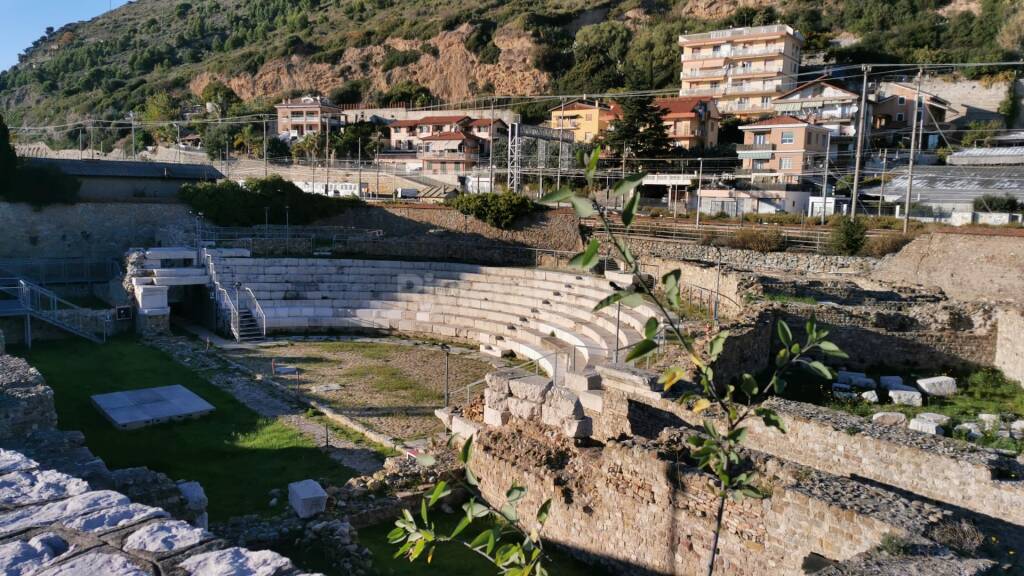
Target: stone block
<point>495,399</point>
<point>588,379</point>
<point>445,416</point>
<point>624,376</point>
<point>592,400</point>
<point>464,427</point>
<point>871,397</point>
<point>523,409</point>
<point>532,388</point>
<point>494,417</point>
<point>237,561</point>
<point>847,377</point>
<point>989,422</point>
<point>564,402</point>
<point>939,419</point>
<point>970,430</point>
<point>551,417</point>
<point>307,498</point>
<point>889,418</point>
<point>905,397</point>
<point>888,382</point>
<point>1017,429</point>
<point>864,383</point>
<point>938,386</point>
<point>165,537</point>
<point>582,428</point>
<point>925,425</point>
<point>498,380</point>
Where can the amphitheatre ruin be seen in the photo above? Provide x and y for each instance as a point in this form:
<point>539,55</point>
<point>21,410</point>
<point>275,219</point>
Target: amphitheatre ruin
<point>345,351</point>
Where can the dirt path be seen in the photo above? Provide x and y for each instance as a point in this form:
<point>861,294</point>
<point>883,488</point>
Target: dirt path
<point>266,402</point>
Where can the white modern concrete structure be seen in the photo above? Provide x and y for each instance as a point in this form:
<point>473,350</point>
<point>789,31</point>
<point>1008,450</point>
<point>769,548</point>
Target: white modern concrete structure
<point>133,409</point>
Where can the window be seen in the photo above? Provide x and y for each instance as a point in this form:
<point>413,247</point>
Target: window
<point>761,138</point>
<point>760,164</point>
<point>900,117</point>
<point>786,163</point>
<point>787,138</point>
<point>902,100</point>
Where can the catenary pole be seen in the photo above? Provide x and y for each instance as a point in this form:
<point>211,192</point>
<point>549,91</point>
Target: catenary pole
<point>913,153</point>
<point>862,114</point>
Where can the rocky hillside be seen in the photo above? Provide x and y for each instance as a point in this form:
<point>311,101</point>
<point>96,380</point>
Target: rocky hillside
<point>422,50</point>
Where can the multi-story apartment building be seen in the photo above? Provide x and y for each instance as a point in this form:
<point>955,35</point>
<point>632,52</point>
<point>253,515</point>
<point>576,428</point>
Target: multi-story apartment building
<point>586,119</point>
<point>894,115</point>
<point>300,116</point>
<point>443,144</point>
<point>830,105</point>
<point>691,123</point>
<point>783,150</point>
<point>743,68</point>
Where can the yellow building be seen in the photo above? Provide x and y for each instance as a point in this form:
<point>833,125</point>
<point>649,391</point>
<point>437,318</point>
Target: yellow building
<point>585,118</point>
<point>742,68</point>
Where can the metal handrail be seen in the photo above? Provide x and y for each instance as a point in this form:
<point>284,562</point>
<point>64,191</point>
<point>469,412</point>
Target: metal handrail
<point>222,295</point>
<point>47,305</point>
<point>259,311</point>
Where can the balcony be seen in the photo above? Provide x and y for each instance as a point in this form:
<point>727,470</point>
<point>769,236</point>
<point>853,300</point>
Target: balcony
<point>744,72</point>
<point>737,53</point>
<point>755,151</point>
<point>711,73</point>
<point>449,155</point>
<point>738,33</point>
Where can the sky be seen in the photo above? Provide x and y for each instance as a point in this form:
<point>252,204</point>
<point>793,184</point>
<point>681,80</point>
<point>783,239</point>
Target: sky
<point>24,21</point>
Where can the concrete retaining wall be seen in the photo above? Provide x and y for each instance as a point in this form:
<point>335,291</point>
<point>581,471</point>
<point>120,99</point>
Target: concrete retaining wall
<point>1010,343</point>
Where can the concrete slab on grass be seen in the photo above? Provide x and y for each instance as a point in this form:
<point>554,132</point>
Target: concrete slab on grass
<point>133,409</point>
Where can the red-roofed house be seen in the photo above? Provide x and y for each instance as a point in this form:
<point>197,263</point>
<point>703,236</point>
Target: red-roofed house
<point>783,149</point>
<point>408,134</point>
<point>449,152</point>
<point>690,122</point>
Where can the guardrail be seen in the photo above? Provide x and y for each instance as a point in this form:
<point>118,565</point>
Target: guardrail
<point>257,311</point>
<point>47,271</point>
<point>38,302</point>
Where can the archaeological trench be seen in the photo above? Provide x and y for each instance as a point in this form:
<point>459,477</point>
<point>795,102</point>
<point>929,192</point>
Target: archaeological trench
<point>599,437</point>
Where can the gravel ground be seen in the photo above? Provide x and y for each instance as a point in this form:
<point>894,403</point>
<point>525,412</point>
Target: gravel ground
<point>391,385</point>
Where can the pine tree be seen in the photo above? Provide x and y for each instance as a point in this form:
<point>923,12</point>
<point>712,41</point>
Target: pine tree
<point>8,159</point>
<point>638,131</point>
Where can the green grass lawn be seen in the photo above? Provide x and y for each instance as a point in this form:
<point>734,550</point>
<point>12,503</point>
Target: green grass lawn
<point>235,454</point>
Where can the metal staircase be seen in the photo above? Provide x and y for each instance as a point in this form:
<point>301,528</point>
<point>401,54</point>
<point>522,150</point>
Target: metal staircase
<point>247,321</point>
<point>19,297</point>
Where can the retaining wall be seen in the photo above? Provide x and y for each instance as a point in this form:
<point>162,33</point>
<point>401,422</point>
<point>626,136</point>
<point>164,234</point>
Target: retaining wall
<point>1009,348</point>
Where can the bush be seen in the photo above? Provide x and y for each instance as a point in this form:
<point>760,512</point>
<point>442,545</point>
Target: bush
<point>763,240</point>
<point>993,203</point>
<point>498,210</point>
<point>879,246</point>
<point>399,58</point>
<point>783,218</point>
<point>228,203</point>
<point>848,237</point>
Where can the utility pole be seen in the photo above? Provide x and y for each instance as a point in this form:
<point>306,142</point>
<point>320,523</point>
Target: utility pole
<point>177,129</point>
<point>881,194</point>
<point>92,145</point>
<point>700,184</point>
<point>913,153</point>
<point>862,112</point>
<point>490,152</point>
<point>327,154</point>
<point>265,166</point>
<point>824,177</point>
<point>131,117</point>
<point>81,153</point>
<point>359,168</point>
<point>561,127</point>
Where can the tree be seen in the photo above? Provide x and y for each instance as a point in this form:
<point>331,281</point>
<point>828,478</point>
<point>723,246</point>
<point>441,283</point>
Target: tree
<point>979,134</point>
<point>407,93</point>
<point>717,448</point>
<point>638,131</point>
<point>160,108</point>
<point>364,137</point>
<point>220,94</point>
<point>216,139</point>
<point>8,159</point>
<point>310,147</point>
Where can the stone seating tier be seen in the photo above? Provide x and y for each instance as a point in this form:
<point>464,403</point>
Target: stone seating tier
<point>537,314</point>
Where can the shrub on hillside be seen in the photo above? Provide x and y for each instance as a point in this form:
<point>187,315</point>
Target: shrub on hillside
<point>879,246</point>
<point>993,203</point>
<point>760,240</point>
<point>848,237</point>
<point>498,210</point>
<point>228,203</point>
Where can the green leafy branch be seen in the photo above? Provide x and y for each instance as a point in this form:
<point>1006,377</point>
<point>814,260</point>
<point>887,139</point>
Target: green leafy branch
<point>717,450</point>
<point>513,551</point>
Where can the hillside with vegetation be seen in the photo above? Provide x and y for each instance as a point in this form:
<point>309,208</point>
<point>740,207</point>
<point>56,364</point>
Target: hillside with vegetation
<point>422,51</point>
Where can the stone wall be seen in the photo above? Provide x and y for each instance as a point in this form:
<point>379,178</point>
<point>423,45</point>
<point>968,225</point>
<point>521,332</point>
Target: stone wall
<point>637,507</point>
<point>551,229</point>
<point>1009,354</point>
<point>964,266</point>
<point>793,262</point>
<point>91,229</point>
